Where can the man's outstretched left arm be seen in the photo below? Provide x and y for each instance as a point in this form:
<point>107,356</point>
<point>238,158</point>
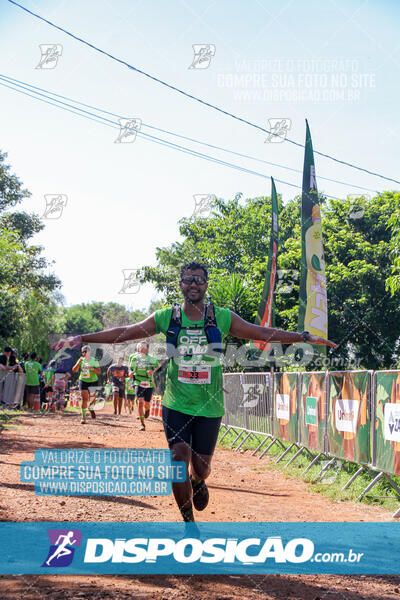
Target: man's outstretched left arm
<point>244,330</point>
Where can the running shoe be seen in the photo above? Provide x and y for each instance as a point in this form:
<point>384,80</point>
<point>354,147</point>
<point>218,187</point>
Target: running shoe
<point>200,494</point>
<point>142,428</point>
<point>83,422</point>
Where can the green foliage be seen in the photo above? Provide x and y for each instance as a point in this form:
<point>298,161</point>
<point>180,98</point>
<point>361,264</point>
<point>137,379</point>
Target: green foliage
<point>393,282</point>
<point>229,291</point>
<point>27,301</point>
<point>39,319</point>
<point>88,318</point>
<point>364,319</point>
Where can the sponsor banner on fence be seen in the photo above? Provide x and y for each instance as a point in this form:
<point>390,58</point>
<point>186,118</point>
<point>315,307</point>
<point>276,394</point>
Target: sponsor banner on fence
<point>387,421</point>
<point>210,548</point>
<point>348,417</point>
<point>312,411</point>
<point>285,406</point>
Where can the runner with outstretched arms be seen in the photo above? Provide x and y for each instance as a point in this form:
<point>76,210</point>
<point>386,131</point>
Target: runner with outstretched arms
<point>193,402</point>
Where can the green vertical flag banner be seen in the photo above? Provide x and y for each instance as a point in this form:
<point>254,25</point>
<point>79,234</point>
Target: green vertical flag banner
<point>265,315</point>
<point>313,305</point>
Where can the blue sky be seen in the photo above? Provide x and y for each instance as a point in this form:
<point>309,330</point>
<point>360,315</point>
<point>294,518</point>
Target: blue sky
<point>125,200</point>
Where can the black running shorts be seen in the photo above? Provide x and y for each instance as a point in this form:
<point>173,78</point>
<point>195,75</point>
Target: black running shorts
<point>201,433</point>
<point>87,385</point>
<point>143,393</point>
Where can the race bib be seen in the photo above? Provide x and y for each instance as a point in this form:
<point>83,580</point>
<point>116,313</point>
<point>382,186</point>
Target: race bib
<point>85,371</point>
<point>194,374</point>
<point>145,384</point>
<point>59,381</point>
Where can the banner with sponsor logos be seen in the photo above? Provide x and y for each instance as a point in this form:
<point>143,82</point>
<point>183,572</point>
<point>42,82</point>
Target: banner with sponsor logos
<point>285,422</point>
<point>387,421</point>
<point>266,310</point>
<point>51,548</point>
<point>348,425</point>
<point>313,304</point>
<point>312,414</point>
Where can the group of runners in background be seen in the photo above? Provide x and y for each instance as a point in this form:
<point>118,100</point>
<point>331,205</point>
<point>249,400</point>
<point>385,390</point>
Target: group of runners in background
<point>124,384</point>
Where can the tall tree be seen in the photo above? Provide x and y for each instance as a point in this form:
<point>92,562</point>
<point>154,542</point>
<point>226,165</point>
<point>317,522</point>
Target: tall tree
<point>27,288</point>
<point>364,318</point>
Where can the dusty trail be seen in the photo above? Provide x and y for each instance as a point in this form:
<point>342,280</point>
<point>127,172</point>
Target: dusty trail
<point>241,489</point>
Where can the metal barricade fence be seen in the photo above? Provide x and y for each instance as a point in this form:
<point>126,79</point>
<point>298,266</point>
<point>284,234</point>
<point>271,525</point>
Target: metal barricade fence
<point>339,415</point>
<point>12,387</point>
<point>248,409</point>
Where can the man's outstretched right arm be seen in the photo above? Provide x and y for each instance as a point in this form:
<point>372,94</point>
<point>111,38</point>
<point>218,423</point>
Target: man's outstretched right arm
<point>116,335</point>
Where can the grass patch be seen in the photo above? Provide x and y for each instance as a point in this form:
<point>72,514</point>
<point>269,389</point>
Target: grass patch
<point>9,418</point>
<point>332,481</point>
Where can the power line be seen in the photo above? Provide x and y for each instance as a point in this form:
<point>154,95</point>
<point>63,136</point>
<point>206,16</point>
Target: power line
<point>151,138</point>
<point>176,89</point>
<point>29,86</point>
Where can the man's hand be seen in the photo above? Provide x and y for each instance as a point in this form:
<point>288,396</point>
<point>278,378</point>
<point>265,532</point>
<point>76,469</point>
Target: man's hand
<point>149,372</point>
<point>314,339</point>
<point>67,343</point>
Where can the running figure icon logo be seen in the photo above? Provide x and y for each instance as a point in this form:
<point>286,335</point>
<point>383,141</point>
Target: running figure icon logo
<point>55,204</point>
<point>128,129</point>
<point>203,205</point>
<point>278,130</point>
<point>50,53</point>
<point>131,283</point>
<point>62,547</point>
<point>252,394</point>
<point>203,54</point>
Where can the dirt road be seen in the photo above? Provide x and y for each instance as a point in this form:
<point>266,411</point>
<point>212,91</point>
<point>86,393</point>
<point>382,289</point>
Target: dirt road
<point>241,489</point>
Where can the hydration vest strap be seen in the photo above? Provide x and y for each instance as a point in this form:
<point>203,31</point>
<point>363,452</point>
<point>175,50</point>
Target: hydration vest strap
<point>174,328</point>
<point>210,327</point>
<point>209,317</point>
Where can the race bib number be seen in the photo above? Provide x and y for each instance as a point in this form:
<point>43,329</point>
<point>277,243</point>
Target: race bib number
<point>85,370</point>
<point>145,384</point>
<point>194,374</point>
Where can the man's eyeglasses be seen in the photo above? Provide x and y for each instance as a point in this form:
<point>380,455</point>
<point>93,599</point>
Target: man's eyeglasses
<point>196,278</point>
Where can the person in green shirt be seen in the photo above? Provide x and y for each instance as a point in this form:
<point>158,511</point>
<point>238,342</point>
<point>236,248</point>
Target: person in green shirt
<point>108,392</point>
<point>142,367</point>
<point>88,378</point>
<point>48,374</point>
<point>33,368</point>
<point>193,401</point>
<point>129,395</point>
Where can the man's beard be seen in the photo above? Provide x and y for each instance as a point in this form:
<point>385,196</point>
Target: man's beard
<point>193,300</point>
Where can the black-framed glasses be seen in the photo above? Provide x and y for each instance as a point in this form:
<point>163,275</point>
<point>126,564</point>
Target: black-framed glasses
<point>196,278</point>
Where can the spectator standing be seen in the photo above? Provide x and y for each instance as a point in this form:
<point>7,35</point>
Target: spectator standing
<point>32,384</point>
